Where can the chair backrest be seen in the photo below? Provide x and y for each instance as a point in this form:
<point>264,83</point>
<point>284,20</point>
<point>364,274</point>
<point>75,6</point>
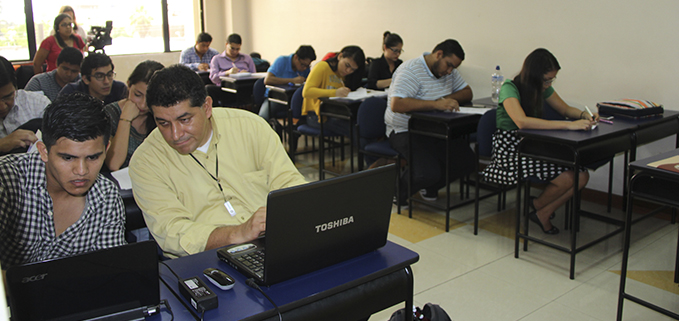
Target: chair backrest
<point>370,118</point>
<point>23,75</point>
<point>484,133</point>
<point>258,91</point>
<point>296,103</point>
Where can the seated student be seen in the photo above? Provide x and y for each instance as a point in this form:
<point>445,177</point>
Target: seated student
<point>288,69</point>
<point>199,56</point>
<point>354,80</point>
<point>51,82</point>
<point>54,203</point>
<point>382,69</point>
<point>17,107</point>
<point>51,47</point>
<point>97,80</point>
<point>130,117</point>
<point>202,177</point>
<point>231,61</point>
<point>428,82</point>
<point>326,79</point>
<point>520,107</point>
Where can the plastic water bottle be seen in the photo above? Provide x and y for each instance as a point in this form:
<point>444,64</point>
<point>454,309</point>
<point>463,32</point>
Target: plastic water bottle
<point>496,82</point>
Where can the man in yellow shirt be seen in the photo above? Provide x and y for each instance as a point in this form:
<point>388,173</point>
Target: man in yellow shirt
<point>202,177</point>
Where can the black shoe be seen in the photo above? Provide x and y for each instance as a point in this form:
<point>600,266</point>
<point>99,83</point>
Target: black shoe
<point>429,195</point>
<point>533,216</point>
<point>532,207</point>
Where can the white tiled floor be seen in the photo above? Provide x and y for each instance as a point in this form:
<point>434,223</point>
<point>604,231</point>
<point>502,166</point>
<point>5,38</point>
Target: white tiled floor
<point>478,278</point>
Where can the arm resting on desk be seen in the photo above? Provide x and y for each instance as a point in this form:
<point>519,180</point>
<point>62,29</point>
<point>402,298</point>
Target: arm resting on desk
<point>518,115</point>
<point>450,102</point>
<point>272,80</point>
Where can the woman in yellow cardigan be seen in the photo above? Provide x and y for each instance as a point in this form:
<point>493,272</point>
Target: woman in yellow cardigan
<point>326,79</point>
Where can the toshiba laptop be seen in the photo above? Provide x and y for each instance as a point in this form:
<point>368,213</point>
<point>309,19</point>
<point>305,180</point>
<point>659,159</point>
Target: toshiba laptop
<point>119,283</point>
<point>312,226</point>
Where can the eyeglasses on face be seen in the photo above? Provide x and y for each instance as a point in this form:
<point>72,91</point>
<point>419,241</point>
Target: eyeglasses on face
<point>100,75</point>
<point>549,81</point>
<point>65,24</point>
<point>397,51</point>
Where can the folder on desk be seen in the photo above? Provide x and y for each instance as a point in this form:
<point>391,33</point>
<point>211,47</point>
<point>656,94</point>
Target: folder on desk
<point>119,283</point>
<point>312,226</point>
<point>669,164</point>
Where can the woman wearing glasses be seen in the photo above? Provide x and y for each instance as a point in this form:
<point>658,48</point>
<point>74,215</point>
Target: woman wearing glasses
<point>51,47</point>
<point>327,79</point>
<point>520,107</point>
<point>381,70</point>
<point>130,117</point>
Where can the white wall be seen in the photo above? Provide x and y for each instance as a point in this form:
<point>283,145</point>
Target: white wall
<point>607,49</point>
<point>124,64</point>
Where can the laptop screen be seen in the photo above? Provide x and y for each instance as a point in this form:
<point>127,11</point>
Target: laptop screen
<point>86,286</point>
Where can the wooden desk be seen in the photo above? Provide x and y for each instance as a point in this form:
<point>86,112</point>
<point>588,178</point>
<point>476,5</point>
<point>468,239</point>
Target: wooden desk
<point>441,125</point>
<point>345,291</point>
<point>658,186</point>
<point>577,148</point>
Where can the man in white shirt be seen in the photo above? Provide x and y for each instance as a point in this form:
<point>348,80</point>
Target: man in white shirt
<point>17,107</point>
<point>429,82</point>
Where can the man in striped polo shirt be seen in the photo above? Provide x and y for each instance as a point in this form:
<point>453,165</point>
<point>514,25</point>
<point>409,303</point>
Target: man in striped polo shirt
<point>428,82</point>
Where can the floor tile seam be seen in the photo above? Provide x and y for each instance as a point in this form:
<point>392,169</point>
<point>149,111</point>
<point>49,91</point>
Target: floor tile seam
<point>645,247</point>
<point>566,306</point>
<point>465,273</point>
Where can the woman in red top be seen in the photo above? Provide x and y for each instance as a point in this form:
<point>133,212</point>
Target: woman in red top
<point>52,45</point>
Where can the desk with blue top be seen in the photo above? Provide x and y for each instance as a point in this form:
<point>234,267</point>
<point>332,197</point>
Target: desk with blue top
<point>349,290</point>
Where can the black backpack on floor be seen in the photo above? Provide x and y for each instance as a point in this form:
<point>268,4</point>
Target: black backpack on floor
<point>431,312</point>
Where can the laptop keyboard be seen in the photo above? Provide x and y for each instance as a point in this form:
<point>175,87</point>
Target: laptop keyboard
<point>254,261</point>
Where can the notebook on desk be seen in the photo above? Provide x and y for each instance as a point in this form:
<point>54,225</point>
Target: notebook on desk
<point>316,225</point>
<point>119,283</point>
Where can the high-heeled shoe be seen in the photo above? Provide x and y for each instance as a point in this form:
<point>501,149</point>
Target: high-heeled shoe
<point>531,204</point>
<point>533,216</point>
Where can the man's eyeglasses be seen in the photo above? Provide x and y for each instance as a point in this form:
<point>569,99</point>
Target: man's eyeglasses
<point>397,51</point>
<point>100,75</point>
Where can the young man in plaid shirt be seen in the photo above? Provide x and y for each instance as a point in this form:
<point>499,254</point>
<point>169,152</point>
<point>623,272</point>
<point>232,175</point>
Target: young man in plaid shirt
<point>54,203</point>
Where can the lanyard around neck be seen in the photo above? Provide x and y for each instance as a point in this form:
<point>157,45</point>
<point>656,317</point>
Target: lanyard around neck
<point>216,179</point>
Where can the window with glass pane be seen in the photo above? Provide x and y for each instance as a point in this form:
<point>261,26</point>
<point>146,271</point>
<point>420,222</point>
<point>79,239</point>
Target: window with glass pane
<point>13,38</point>
<point>137,24</point>
<point>183,30</point>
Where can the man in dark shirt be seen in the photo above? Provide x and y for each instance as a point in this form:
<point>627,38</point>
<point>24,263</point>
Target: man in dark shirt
<point>97,80</point>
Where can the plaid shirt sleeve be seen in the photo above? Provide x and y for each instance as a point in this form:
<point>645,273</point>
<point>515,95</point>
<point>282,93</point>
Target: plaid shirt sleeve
<point>111,212</point>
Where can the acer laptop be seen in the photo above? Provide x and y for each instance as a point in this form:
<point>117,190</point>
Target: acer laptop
<point>312,226</point>
<point>119,283</point>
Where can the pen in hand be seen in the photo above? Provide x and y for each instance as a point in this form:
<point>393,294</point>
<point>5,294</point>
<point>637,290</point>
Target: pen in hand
<point>589,112</point>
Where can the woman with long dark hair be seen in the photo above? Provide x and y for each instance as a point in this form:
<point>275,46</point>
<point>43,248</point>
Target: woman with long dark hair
<point>520,107</point>
<point>130,118</point>
<point>327,79</point>
<point>51,47</point>
<point>382,69</point>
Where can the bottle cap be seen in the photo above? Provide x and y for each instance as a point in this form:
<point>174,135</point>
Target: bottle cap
<point>497,67</point>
